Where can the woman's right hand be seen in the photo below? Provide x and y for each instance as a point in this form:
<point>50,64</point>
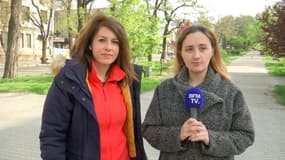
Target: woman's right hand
<point>183,26</point>
<point>194,131</point>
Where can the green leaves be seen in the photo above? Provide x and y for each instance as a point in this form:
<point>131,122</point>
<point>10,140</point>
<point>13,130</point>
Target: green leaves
<point>142,28</point>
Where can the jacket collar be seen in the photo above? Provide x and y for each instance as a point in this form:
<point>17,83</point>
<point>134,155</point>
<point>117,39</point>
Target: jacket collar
<point>209,86</point>
<point>116,74</point>
<point>77,72</point>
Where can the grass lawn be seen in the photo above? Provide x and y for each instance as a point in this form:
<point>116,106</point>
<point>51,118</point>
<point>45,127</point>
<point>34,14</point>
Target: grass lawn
<point>40,84</point>
<point>279,90</point>
<point>277,67</point>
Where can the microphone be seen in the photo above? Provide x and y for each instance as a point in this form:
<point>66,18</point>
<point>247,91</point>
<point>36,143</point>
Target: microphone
<point>194,99</point>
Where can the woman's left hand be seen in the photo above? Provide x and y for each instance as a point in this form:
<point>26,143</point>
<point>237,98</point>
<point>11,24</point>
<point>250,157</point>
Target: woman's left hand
<point>201,133</point>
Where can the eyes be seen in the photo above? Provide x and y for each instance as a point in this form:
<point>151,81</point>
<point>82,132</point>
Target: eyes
<point>104,40</point>
<point>201,48</point>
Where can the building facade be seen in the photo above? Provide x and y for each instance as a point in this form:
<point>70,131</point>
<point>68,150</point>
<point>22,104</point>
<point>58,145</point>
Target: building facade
<point>30,44</point>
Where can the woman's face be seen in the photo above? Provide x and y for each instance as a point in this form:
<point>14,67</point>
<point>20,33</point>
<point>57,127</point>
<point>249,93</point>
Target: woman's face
<point>196,52</point>
<point>105,47</point>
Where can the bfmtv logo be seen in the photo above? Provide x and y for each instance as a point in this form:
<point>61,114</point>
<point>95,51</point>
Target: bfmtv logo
<point>194,98</point>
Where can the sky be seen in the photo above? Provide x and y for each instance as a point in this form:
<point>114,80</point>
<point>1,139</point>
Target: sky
<point>220,8</point>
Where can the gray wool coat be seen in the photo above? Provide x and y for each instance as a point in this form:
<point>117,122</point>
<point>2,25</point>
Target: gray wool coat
<point>225,114</point>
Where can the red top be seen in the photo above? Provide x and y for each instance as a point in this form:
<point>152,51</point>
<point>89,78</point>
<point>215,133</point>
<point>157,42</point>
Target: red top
<point>111,113</point>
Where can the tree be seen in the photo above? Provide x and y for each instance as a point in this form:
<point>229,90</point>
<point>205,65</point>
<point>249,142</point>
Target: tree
<point>273,24</point>
<point>64,20</point>
<point>254,34</point>
<point>225,29</point>
<point>170,10</point>
<point>142,28</point>
<point>205,20</point>
<point>42,21</point>
<point>154,17</point>
<point>10,70</point>
<point>243,24</point>
<point>82,13</point>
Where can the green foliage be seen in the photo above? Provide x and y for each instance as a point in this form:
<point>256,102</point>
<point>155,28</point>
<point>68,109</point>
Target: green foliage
<point>238,32</point>
<point>254,33</point>
<point>149,83</point>
<point>237,42</point>
<point>273,24</point>
<point>279,90</point>
<point>225,28</point>
<point>158,68</point>
<point>204,20</point>
<point>225,56</point>
<point>159,72</point>
<point>63,22</point>
<point>234,52</point>
<point>275,66</point>
<point>142,28</point>
<point>243,24</point>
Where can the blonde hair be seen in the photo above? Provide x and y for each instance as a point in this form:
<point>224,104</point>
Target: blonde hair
<point>216,61</point>
<point>57,64</point>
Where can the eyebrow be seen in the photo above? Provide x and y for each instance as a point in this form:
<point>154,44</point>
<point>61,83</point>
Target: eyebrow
<point>188,46</point>
<point>201,44</point>
<point>106,37</point>
<point>101,36</point>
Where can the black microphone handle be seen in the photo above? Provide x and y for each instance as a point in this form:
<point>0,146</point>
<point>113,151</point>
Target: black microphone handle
<point>194,113</point>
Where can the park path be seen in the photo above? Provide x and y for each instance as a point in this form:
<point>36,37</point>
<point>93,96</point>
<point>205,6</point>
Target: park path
<point>20,115</point>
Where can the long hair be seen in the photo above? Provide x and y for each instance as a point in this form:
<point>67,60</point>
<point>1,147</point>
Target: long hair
<point>81,51</point>
<point>216,61</point>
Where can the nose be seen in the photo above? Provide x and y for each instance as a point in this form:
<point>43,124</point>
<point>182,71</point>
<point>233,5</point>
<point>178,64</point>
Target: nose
<point>196,53</point>
<point>109,45</point>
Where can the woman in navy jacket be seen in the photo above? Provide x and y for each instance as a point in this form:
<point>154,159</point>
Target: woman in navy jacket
<point>71,127</point>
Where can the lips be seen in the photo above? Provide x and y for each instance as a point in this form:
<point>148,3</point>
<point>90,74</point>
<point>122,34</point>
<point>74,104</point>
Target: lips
<point>195,63</point>
<point>107,55</point>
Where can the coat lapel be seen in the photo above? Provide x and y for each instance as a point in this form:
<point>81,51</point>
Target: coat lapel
<point>208,87</point>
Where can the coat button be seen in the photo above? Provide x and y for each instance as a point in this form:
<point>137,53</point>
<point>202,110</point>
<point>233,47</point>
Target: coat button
<point>83,99</point>
<point>72,87</point>
<point>61,82</point>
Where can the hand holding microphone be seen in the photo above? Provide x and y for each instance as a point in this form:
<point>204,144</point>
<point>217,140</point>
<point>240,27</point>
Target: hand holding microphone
<point>193,129</point>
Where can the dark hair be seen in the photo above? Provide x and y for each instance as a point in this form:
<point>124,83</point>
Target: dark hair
<point>81,51</point>
<point>216,61</point>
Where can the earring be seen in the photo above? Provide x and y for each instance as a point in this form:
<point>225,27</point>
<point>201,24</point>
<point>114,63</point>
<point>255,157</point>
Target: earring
<point>90,48</point>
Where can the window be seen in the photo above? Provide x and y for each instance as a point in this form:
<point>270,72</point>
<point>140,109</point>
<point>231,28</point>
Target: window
<point>4,40</point>
<point>1,41</point>
<point>22,40</point>
<point>29,40</point>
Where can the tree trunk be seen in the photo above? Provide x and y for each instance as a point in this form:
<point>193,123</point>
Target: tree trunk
<point>165,33</point>
<point>81,11</point>
<point>44,51</point>
<point>69,31</point>
<point>11,63</point>
<point>149,57</point>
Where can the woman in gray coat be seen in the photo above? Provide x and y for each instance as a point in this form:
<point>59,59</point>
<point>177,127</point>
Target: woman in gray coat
<point>224,127</point>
